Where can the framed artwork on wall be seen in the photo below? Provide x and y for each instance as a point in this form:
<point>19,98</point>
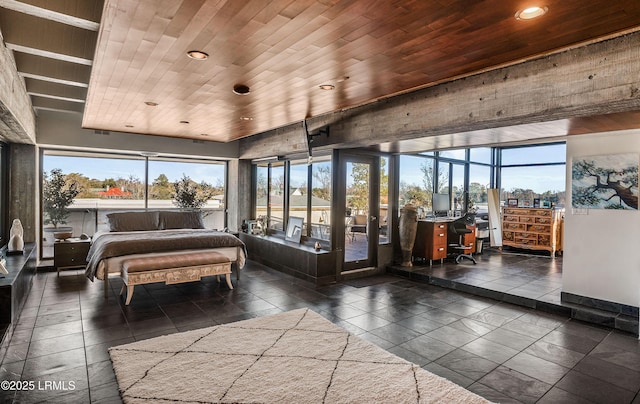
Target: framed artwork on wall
<point>605,182</point>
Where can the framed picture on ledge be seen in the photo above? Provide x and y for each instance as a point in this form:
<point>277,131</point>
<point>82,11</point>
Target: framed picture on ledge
<point>294,229</point>
<point>252,227</point>
<point>512,202</point>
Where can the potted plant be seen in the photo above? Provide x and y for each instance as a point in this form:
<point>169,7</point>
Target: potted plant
<point>191,196</point>
<point>57,194</point>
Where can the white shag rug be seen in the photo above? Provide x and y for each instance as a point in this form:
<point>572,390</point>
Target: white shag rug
<point>292,357</point>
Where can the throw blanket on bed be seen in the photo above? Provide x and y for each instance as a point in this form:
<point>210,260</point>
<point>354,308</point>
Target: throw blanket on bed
<point>116,244</point>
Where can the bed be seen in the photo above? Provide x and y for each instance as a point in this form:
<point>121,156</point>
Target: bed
<point>156,234</point>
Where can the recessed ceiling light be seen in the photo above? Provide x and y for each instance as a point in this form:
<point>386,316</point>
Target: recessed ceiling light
<point>246,118</point>
<point>185,122</point>
<point>151,103</point>
<point>530,13</point>
<point>198,55</point>
<point>327,87</point>
<point>241,89</point>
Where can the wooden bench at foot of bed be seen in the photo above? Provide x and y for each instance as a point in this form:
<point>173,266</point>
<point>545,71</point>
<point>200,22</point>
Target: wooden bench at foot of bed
<point>173,269</point>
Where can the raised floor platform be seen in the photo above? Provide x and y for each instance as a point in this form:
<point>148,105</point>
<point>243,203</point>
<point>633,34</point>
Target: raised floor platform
<point>521,279</point>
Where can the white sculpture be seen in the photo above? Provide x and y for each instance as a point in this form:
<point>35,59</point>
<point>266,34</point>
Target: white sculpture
<point>16,234</point>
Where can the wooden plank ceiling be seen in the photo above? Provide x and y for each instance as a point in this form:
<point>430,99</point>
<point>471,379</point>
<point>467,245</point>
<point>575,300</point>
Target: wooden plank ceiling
<point>282,49</point>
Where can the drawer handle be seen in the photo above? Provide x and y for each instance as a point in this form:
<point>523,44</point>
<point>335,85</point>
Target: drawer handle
<point>441,235</point>
<point>441,249</point>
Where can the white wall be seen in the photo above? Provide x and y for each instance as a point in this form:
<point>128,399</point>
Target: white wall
<point>602,247</point>
<point>65,129</point>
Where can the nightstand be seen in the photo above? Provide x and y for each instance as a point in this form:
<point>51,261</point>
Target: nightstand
<point>70,253</point>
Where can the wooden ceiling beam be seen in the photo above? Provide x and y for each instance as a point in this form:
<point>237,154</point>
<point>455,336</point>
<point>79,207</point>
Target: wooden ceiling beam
<point>56,105</point>
<point>33,32</point>
<point>49,54</point>
<point>53,80</point>
<point>597,79</point>
<point>49,15</point>
<point>55,97</point>
<point>55,89</point>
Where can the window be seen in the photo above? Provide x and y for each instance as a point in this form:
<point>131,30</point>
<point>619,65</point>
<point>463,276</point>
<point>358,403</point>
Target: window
<point>457,187</point>
<point>416,182</point>
<point>524,155</point>
<point>457,154</point>
<point>321,198</point>
<point>108,182</point>
<point>298,190</point>
<point>480,155</point>
<point>479,182</point>
<point>527,183</point>
<point>105,183</point>
<point>383,234</point>
<point>262,190</point>
<point>443,177</point>
<point>534,172</point>
<point>270,182</point>
<point>207,178</point>
<point>276,197</point>
<point>417,179</point>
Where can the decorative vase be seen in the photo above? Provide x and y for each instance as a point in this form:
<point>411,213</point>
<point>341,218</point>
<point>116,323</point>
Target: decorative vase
<point>408,228</point>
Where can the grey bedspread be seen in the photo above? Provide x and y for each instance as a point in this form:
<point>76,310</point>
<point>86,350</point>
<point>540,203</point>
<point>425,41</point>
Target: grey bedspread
<point>116,244</point>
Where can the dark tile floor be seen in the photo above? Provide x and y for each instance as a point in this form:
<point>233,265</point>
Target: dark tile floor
<point>503,352</point>
<point>511,272</point>
<point>522,278</point>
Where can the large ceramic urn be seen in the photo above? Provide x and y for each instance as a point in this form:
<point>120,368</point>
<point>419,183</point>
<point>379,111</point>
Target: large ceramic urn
<point>408,228</point>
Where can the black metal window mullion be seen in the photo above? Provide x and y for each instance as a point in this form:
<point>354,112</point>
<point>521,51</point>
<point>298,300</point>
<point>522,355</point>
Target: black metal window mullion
<point>285,194</point>
<point>309,197</point>
<point>268,218</point>
<point>146,182</point>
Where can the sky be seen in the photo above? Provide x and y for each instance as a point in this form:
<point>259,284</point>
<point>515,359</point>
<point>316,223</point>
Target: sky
<point>539,179</point>
<point>103,168</point>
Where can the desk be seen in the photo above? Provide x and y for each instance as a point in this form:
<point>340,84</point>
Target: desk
<point>433,238</point>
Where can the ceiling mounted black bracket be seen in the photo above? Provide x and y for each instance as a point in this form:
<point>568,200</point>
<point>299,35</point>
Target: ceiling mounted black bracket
<point>311,137</point>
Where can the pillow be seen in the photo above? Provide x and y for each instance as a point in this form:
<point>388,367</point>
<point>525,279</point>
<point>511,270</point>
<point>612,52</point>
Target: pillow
<point>181,220</point>
<point>133,221</point>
